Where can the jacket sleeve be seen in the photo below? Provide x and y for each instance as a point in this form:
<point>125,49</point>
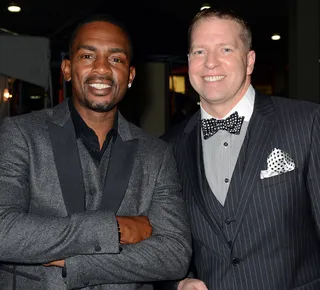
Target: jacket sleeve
<point>164,256</point>
<point>33,238</point>
<point>313,169</point>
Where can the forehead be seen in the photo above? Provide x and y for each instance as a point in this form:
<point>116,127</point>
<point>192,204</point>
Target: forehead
<point>213,28</point>
<point>101,33</point>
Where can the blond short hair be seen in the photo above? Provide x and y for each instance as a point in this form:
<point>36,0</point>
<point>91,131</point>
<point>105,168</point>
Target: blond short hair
<point>246,34</point>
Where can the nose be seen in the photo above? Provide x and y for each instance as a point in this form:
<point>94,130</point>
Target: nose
<point>212,60</point>
<point>101,66</point>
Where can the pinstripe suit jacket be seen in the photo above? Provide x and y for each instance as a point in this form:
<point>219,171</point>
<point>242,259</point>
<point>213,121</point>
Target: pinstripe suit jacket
<point>267,235</point>
<point>42,216</point>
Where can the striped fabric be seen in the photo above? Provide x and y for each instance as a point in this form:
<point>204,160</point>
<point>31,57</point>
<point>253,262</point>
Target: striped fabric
<point>266,236</point>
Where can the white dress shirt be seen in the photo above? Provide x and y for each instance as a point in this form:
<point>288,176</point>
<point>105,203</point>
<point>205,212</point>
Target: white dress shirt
<point>221,151</point>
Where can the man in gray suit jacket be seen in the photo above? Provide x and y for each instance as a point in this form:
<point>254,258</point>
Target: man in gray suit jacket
<point>250,170</point>
<point>81,188</point>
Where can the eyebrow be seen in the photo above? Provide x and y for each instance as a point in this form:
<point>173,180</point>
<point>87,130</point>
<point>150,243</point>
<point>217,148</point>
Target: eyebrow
<point>86,47</point>
<point>228,44</point>
<point>195,47</point>
<point>118,50</point>
<point>221,44</point>
<point>93,48</point>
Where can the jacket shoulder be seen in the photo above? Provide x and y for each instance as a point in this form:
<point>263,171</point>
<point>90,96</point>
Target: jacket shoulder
<point>178,131</point>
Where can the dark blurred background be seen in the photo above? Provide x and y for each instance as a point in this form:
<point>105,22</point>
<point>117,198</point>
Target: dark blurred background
<point>161,95</point>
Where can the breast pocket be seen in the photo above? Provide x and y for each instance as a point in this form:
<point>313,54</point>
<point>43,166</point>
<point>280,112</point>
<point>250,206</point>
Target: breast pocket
<point>281,178</point>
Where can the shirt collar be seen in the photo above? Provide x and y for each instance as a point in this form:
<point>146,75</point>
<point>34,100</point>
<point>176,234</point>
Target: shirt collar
<point>244,107</point>
<point>80,125</point>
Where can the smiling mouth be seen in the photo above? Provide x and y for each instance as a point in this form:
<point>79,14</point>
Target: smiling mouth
<point>213,78</point>
<point>100,86</point>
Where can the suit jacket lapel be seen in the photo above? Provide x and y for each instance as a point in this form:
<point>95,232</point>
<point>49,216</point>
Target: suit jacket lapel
<point>193,155</point>
<point>120,167</point>
<point>259,136</point>
<point>118,174</point>
<point>67,160</point>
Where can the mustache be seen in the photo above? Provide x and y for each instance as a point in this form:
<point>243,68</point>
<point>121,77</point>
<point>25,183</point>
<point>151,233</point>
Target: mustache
<point>100,79</point>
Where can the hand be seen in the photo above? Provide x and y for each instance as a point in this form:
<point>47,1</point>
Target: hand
<point>58,263</point>
<point>134,229</point>
<point>192,284</point>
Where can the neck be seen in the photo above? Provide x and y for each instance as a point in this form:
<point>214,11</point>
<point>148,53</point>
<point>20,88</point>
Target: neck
<point>100,122</point>
<point>219,110</point>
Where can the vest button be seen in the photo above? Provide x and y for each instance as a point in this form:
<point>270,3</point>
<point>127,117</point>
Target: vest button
<point>228,221</point>
<point>235,261</point>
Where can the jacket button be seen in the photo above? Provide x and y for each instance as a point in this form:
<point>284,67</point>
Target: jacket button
<point>228,221</point>
<point>97,248</point>
<point>235,261</point>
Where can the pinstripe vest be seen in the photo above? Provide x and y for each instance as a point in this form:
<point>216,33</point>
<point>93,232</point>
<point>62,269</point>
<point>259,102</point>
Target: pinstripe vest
<point>225,214</point>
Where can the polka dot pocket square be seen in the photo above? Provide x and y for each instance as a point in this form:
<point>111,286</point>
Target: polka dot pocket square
<point>278,162</point>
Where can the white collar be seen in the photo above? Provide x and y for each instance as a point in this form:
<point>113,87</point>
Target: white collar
<point>244,107</point>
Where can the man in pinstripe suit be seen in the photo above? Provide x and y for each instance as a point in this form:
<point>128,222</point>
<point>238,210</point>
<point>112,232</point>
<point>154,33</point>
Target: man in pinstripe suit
<point>252,181</point>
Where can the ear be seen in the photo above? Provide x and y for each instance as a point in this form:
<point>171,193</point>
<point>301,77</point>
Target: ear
<point>251,58</point>
<point>132,74</point>
<point>66,69</point>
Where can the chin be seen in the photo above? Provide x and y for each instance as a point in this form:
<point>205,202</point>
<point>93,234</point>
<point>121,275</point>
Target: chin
<point>100,107</point>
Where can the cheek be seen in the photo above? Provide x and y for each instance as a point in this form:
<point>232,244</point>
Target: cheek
<point>237,68</point>
<point>194,68</point>
<point>191,71</point>
<point>80,72</point>
<point>77,81</point>
<point>120,75</point>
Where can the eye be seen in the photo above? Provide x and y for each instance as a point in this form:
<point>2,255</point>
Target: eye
<point>226,49</point>
<point>116,59</point>
<point>198,52</point>
<point>86,56</point>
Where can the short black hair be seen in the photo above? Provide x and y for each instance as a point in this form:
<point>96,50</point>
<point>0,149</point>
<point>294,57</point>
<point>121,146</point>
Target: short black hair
<point>100,18</point>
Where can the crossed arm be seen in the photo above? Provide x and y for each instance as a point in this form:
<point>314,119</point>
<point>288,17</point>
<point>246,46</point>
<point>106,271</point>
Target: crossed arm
<point>163,256</point>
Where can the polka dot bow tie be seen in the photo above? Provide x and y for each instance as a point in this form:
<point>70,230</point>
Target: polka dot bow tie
<point>232,124</point>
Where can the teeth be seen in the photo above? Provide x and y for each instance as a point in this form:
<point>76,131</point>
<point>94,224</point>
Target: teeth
<point>99,86</point>
<point>213,78</point>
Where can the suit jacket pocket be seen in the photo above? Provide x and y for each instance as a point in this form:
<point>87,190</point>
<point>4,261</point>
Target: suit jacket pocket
<point>281,178</point>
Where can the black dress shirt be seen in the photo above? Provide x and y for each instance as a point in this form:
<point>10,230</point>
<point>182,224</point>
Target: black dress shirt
<point>88,136</point>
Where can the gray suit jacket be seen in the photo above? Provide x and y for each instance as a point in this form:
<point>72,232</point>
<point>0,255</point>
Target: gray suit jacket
<point>41,218</point>
<point>266,237</point>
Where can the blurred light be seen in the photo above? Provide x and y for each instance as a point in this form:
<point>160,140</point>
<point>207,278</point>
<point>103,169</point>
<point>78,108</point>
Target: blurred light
<point>205,6</point>
<point>275,36</point>
<point>35,97</point>
<point>6,94</point>
<point>14,7</point>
